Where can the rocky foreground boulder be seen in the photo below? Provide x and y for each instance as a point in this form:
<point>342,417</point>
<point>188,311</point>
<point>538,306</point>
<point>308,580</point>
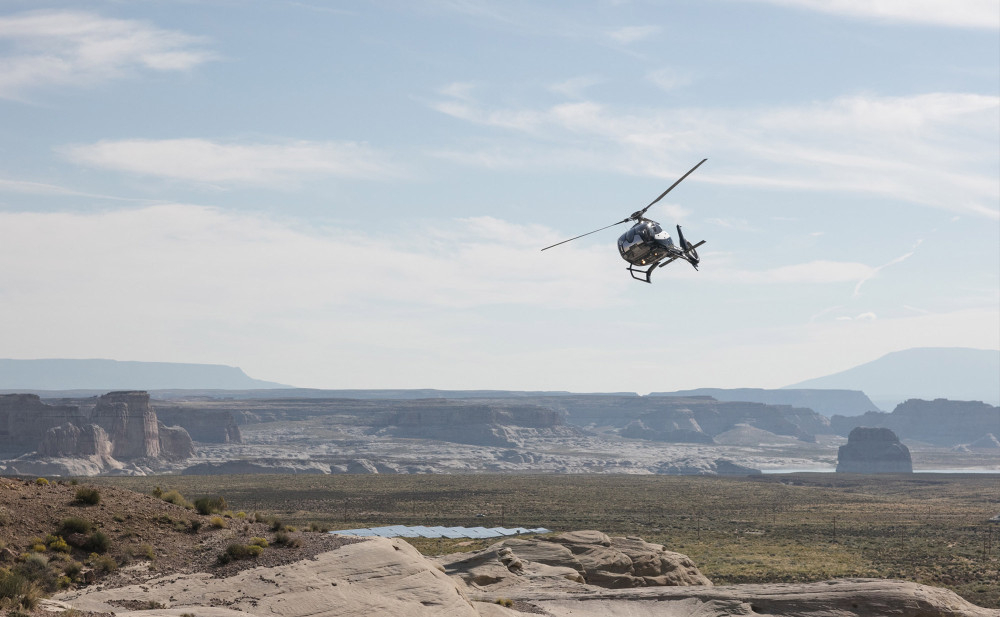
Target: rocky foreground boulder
<point>873,450</point>
<point>590,557</point>
<point>380,576</point>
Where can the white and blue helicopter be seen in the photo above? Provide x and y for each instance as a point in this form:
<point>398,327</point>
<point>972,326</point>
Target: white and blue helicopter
<point>645,246</point>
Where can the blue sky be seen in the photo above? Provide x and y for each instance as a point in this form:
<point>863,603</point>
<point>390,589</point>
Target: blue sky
<point>354,194</point>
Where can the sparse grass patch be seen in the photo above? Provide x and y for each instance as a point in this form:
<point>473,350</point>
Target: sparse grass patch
<point>236,552</point>
<point>87,496</point>
<point>210,505</point>
<point>176,498</point>
<point>218,522</point>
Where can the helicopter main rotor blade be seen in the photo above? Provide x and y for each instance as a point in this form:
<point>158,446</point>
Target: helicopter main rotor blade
<point>639,213</point>
<point>587,234</point>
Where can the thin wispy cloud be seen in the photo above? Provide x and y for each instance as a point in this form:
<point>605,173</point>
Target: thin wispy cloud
<point>77,48</point>
<point>575,87</point>
<point>632,34</point>
<point>953,13</point>
<point>936,149</point>
<point>875,271</point>
<point>228,163</point>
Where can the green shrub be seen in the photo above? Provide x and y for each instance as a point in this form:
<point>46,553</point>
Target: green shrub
<point>88,496</point>
<point>276,524</point>
<point>505,602</point>
<point>236,551</point>
<point>103,563</point>
<point>177,499</point>
<point>195,525</point>
<point>261,542</point>
<point>283,538</point>
<point>218,522</point>
<point>57,544</point>
<point>42,482</point>
<point>16,589</point>
<point>73,569</point>
<point>210,505</point>
<point>98,542</point>
<point>75,524</point>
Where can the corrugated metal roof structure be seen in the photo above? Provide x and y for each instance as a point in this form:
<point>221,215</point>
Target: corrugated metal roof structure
<point>419,531</point>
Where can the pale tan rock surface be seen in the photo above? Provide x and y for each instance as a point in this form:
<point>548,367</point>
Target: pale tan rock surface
<point>375,577</point>
<point>381,577</point>
<point>579,556</point>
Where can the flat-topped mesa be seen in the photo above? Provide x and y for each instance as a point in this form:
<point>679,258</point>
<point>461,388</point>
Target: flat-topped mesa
<point>873,450</point>
<point>130,423</point>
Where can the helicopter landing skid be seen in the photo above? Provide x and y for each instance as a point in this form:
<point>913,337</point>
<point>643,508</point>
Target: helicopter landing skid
<point>647,274</point>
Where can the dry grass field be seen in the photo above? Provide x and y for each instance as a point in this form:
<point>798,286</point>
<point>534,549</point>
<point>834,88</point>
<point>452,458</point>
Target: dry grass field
<point>929,528</point>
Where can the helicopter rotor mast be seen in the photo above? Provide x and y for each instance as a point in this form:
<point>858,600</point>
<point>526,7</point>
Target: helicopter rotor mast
<point>635,216</point>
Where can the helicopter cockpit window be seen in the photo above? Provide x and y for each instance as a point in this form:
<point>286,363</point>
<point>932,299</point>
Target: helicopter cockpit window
<point>656,228</point>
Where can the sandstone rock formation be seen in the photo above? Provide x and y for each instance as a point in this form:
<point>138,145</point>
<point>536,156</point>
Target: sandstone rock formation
<point>493,424</point>
<point>693,419</point>
<point>873,450</point>
<point>24,419</point>
<point>64,440</point>
<point>379,576</point>
<point>175,442</point>
<point>939,422</point>
<point>70,440</point>
<point>205,425</point>
<point>130,422</point>
<point>702,467</point>
<point>589,557</point>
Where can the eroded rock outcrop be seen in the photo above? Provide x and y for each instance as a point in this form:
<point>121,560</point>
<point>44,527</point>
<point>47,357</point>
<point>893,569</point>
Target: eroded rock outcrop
<point>70,440</point>
<point>493,424</point>
<point>175,442</point>
<point>873,450</point>
<point>24,420</point>
<point>130,422</point>
<point>205,425</point>
<point>702,467</point>
<point>940,422</point>
<point>63,440</point>
<point>589,556</point>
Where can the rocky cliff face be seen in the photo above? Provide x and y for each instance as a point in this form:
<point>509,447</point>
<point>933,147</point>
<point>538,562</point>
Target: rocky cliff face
<point>24,420</point>
<point>696,419</point>
<point>130,422</point>
<point>121,427</point>
<point>940,422</point>
<point>70,440</point>
<point>873,450</point>
<point>175,442</point>
<point>208,426</point>
<point>494,424</point>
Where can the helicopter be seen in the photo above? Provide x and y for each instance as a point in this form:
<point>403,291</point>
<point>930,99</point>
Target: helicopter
<point>645,246</point>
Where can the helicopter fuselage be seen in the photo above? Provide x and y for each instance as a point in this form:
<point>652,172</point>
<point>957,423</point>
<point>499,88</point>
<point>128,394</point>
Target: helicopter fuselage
<point>645,243</point>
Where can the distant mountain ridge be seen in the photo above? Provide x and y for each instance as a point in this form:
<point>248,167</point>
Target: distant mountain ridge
<point>106,375</point>
<point>927,373</point>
